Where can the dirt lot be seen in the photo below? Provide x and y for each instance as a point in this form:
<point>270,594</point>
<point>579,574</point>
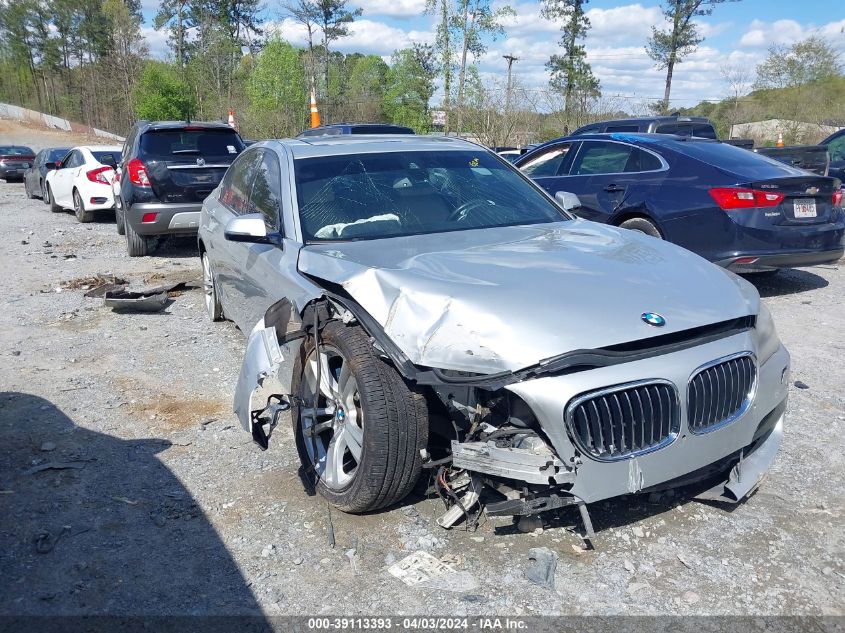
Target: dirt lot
<point>162,505</point>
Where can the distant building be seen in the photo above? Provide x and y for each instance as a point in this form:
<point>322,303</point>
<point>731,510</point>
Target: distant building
<point>766,132</point>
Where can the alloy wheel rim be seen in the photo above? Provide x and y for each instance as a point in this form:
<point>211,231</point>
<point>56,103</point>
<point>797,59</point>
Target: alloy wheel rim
<point>331,418</point>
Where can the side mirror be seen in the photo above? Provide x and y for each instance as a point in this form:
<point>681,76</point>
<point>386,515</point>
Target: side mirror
<point>567,200</point>
<point>247,228</point>
<point>52,165</point>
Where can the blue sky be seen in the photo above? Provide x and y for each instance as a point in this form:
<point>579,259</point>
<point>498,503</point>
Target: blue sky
<point>737,36</point>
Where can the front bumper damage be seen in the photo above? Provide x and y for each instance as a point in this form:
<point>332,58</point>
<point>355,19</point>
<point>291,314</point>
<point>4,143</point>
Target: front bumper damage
<point>543,470</point>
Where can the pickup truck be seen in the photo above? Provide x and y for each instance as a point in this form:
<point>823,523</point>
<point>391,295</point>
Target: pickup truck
<point>812,158</point>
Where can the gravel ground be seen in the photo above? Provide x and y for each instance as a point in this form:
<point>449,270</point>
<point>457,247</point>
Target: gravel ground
<point>164,506</point>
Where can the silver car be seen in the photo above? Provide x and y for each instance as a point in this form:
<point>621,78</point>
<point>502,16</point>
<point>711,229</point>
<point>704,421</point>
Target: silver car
<point>467,324</point>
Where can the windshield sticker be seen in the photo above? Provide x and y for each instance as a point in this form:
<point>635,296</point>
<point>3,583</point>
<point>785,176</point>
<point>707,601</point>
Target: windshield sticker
<point>473,162</point>
<point>231,149</point>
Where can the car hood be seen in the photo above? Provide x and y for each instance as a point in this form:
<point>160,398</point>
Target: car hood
<point>505,298</point>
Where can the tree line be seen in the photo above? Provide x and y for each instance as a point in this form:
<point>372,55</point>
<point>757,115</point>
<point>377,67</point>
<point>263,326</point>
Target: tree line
<point>86,60</point>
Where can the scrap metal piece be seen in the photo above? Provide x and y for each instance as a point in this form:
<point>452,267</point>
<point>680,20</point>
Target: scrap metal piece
<point>748,473</point>
<point>542,571</point>
<point>129,301</point>
<point>512,463</point>
<point>456,512</point>
<point>262,360</point>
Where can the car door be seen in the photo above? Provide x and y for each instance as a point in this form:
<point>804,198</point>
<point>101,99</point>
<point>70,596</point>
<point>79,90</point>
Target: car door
<point>267,269</point>
<point>547,165</point>
<point>232,200</point>
<point>62,179</point>
<point>610,175</point>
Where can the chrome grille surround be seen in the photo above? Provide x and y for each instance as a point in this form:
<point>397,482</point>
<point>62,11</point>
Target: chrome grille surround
<point>630,412</point>
<point>721,391</point>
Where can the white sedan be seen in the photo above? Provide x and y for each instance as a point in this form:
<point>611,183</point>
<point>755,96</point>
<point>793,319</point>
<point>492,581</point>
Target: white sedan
<point>82,181</point>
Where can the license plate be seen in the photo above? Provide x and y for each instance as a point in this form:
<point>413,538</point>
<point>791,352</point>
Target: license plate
<point>805,208</point>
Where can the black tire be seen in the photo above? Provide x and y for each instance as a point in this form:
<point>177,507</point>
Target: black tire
<point>212,299</point>
<point>642,225</point>
<point>119,216</point>
<point>395,426</point>
<point>52,202</point>
<point>79,209</point>
<point>137,245</point>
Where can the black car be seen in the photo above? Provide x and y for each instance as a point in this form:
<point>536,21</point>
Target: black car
<point>14,160</point>
<point>674,124</point>
<point>736,208</point>
<point>338,129</point>
<point>166,171</point>
<point>33,178</point>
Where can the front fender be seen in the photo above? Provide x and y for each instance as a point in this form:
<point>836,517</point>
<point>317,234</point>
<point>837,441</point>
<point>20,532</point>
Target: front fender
<point>268,361</point>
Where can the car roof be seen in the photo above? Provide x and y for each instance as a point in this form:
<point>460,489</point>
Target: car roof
<point>369,143</point>
<point>101,148</point>
<point>652,119</point>
<point>167,125</point>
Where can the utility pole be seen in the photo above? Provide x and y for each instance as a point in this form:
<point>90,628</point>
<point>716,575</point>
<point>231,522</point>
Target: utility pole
<point>510,59</point>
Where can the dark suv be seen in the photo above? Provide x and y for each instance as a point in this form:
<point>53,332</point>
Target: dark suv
<point>680,125</point>
<point>167,170</point>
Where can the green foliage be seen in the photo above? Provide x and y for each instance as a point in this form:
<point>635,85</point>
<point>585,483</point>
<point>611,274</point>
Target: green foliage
<point>410,85</point>
<point>812,60</point>
<point>162,95</point>
<point>276,91</point>
<point>571,74</point>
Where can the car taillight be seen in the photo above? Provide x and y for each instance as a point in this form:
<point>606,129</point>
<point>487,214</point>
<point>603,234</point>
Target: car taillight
<point>837,198</point>
<point>138,173</point>
<point>98,175</point>
<point>735,198</point>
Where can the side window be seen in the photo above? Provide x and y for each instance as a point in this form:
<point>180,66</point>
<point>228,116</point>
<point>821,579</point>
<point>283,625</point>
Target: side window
<point>237,183</point>
<point>548,163</point>
<point>266,197</point>
<point>641,160</point>
<point>836,148</point>
<point>599,157</point>
<point>72,160</point>
<point>39,159</point>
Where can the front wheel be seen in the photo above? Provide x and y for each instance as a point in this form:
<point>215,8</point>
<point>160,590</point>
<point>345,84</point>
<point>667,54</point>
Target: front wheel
<point>360,432</point>
<point>642,225</point>
<point>79,209</point>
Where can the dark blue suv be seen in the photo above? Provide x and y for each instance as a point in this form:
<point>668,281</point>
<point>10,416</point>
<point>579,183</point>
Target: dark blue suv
<point>337,129</point>
<point>736,208</point>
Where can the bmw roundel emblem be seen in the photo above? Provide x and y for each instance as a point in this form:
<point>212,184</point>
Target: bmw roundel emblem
<point>652,318</point>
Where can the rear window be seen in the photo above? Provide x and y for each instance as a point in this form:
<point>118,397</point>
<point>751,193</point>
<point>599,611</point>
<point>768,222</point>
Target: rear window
<point>735,160</point>
<point>15,150</point>
<point>188,143</point>
<point>107,158</point>
<point>700,130</point>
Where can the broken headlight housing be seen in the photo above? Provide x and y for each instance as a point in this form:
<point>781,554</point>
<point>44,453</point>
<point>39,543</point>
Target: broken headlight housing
<point>766,335</point>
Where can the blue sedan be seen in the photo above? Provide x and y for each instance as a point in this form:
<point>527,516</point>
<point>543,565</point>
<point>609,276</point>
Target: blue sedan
<point>736,208</point>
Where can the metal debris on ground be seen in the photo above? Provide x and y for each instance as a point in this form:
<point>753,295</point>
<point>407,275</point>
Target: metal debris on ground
<point>95,285</point>
<point>129,301</point>
<point>542,570</point>
<point>421,569</point>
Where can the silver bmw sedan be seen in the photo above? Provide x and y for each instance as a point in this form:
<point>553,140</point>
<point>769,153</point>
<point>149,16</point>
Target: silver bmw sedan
<point>417,303</point>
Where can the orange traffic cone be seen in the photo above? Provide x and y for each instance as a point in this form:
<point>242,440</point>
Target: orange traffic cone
<point>315,113</point>
<point>232,119</point>
<point>780,140</point>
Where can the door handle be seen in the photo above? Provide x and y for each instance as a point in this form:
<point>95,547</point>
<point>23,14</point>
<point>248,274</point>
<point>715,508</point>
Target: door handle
<point>614,188</point>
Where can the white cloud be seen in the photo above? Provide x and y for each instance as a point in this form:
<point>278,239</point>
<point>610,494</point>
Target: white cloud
<point>157,41</point>
<point>762,34</point>
<point>365,36</point>
<point>393,8</point>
